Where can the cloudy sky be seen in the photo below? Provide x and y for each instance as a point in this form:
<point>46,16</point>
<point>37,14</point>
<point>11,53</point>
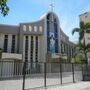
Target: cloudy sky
<point>68,12</point>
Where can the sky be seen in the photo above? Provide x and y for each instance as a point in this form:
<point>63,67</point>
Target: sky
<point>68,12</point>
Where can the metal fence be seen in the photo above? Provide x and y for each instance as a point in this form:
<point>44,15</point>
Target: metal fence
<point>27,75</point>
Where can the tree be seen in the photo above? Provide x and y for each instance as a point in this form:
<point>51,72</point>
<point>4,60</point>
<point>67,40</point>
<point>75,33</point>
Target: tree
<point>4,9</point>
<point>81,42</point>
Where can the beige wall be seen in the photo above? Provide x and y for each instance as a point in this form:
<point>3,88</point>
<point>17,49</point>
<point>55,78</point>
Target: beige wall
<point>1,40</point>
<point>85,17</point>
<point>87,38</point>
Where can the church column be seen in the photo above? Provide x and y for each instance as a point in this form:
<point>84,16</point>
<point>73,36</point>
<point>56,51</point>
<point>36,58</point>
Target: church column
<point>9,43</point>
<point>23,48</point>
<point>39,48</point>
<point>29,51</point>
<point>16,43</point>
<point>1,40</point>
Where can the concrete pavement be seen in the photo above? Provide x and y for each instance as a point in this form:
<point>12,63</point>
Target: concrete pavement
<point>74,86</point>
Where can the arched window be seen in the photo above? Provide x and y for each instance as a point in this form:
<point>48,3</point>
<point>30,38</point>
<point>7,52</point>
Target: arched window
<point>35,28</point>
<point>40,28</point>
<point>30,28</point>
<point>24,27</point>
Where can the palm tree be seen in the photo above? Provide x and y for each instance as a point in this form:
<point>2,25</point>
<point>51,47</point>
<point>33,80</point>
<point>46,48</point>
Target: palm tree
<point>83,48</point>
<point>81,42</point>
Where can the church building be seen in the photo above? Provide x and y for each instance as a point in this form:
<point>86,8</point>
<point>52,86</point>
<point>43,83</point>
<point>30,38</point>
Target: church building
<point>40,41</point>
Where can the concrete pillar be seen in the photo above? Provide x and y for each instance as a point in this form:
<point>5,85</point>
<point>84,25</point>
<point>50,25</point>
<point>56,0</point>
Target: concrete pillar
<point>1,40</point>
<point>9,43</point>
<point>23,48</point>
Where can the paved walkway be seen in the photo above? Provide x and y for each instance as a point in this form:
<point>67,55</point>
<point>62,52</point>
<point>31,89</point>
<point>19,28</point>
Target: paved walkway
<point>70,86</point>
<point>32,82</point>
<point>75,86</point>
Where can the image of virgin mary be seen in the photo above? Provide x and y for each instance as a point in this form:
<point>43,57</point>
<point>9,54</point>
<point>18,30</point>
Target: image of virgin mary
<point>52,44</point>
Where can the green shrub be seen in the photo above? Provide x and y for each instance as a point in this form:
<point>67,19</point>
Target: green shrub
<point>78,59</point>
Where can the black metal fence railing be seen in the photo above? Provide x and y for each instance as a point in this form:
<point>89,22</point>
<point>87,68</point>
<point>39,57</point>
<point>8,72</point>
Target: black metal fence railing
<point>27,75</point>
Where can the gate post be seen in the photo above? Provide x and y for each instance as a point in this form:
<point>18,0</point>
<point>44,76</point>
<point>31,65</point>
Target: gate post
<point>60,72</point>
<point>73,73</point>
<point>82,71</point>
<point>24,72</point>
<point>45,74</point>
<point>1,69</point>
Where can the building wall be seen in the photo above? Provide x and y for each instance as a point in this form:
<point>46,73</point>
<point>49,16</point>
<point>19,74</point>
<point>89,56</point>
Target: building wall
<point>67,47</point>
<point>85,17</point>
<point>31,49</point>
<point>1,40</point>
<point>87,38</point>
<point>29,30</point>
<point>9,45</point>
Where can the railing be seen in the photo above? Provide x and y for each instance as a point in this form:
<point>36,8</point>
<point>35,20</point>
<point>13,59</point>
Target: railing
<point>10,69</point>
<point>39,74</point>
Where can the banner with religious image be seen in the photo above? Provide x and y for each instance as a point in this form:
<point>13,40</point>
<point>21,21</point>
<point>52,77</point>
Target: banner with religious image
<point>52,42</point>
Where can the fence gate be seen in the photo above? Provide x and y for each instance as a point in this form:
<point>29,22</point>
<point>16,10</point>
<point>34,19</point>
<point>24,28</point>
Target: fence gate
<point>27,75</point>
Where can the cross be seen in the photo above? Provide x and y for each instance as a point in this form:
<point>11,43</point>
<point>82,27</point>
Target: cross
<point>52,6</point>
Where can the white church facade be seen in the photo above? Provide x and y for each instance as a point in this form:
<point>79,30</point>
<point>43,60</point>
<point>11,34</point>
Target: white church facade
<point>40,41</point>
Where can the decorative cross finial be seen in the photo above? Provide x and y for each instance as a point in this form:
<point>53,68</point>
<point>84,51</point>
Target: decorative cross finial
<point>52,6</point>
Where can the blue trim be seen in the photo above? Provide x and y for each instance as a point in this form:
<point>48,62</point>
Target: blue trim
<point>48,42</point>
<point>56,37</point>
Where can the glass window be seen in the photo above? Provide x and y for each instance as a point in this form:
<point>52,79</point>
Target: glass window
<point>40,28</point>
<point>35,28</point>
<point>5,43</point>
<point>36,48</point>
<point>30,28</point>
<point>13,44</point>
<point>24,27</point>
<point>31,59</point>
<point>26,48</point>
